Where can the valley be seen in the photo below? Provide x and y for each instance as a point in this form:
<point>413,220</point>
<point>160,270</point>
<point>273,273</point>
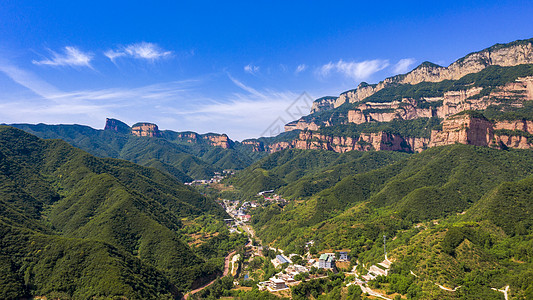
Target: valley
<point>417,187</point>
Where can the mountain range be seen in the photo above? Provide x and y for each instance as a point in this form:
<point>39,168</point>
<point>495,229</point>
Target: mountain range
<point>439,160</point>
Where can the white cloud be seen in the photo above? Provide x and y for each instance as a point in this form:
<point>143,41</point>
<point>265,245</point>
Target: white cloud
<point>112,54</point>
<point>71,57</point>
<point>355,70</point>
<point>300,68</point>
<point>326,69</point>
<point>403,65</point>
<point>142,50</point>
<point>251,69</point>
<point>246,114</point>
<point>180,105</point>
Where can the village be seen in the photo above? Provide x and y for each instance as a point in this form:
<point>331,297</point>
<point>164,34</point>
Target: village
<point>291,269</point>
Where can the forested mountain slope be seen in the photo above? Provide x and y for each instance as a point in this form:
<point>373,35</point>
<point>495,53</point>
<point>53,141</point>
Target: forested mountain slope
<point>439,197</point>
<point>74,225</point>
<point>168,151</point>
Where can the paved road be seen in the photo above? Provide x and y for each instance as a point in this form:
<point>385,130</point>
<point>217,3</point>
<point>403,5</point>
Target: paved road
<point>226,270</point>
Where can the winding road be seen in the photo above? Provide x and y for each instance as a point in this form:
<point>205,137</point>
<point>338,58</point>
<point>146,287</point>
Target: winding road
<point>226,270</point>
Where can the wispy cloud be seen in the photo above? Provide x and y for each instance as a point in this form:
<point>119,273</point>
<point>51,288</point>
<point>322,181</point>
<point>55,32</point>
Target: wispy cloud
<point>251,69</point>
<point>244,114</point>
<point>142,50</point>
<point>403,65</point>
<point>72,57</point>
<point>355,70</point>
<point>300,68</point>
<point>53,105</point>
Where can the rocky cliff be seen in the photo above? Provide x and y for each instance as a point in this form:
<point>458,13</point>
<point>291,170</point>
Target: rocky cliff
<point>145,129</point>
<point>213,139</point>
<point>452,102</point>
<point>364,142</point>
<point>511,54</point>
<point>505,55</point>
<point>467,127</point>
<point>324,103</point>
<point>117,126</point>
<point>463,129</point>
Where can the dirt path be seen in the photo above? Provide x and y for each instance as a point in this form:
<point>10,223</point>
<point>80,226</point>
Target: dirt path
<point>226,270</point>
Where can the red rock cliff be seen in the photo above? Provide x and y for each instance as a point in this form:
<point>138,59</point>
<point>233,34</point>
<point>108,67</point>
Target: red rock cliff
<point>145,129</point>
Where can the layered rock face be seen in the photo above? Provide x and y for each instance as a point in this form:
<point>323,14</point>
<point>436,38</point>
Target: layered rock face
<point>145,129</point>
<point>117,126</point>
<point>301,125</point>
<point>451,103</point>
<point>463,129</point>
<point>219,140</point>
<point>365,142</point>
<point>513,54</point>
<point>324,103</point>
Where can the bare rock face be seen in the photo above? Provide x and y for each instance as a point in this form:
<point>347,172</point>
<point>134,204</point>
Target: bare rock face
<point>521,125</point>
<point>463,129</point>
<point>218,140</point>
<point>189,137</point>
<point>301,125</point>
<point>512,141</point>
<point>365,142</point>
<point>145,129</point>
<point>505,55</point>
<point>324,103</point>
<point>117,126</point>
<point>257,146</point>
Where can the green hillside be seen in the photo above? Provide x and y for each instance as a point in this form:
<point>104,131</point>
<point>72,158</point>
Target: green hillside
<point>74,225</point>
<point>185,161</point>
<point>300,173</point>
<point>455,213</point>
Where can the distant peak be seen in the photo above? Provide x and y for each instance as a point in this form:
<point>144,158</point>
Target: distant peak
<point>428,64</point>
<point>117,126</point>
<point>145,129</point>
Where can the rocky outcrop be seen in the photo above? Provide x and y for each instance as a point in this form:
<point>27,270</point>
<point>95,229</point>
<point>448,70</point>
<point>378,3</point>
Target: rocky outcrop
<point>117,126</point>
<point>463,129</point>
<point>505,55</point>
<point>213,139</point>
<point>521,125</point>
<point>145,129</point>
<point>218,140</point>
<point>324,103</point>
<point>365,142</point>
<point>512,141</point>
<point>256,146</point>
<point>451,103</point>
<point>301,125</point>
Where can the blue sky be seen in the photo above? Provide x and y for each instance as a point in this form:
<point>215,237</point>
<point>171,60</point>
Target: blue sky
<point>224,66</point>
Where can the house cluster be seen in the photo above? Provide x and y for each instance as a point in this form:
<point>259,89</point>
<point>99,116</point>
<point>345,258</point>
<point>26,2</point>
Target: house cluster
<point>242,213</point>
<point>239,212</point>
<point>285,278</point>
<point>215,179</point>
<point>269,196</point>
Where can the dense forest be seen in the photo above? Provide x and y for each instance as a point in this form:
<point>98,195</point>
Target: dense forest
<point>453,213</point>
<point>74,225</point>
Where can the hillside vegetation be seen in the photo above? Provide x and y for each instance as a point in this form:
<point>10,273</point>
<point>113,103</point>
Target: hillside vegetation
<point>73,225</point>
<point>480,197</point>
<point>185,161</point>
<point>300,173</point>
